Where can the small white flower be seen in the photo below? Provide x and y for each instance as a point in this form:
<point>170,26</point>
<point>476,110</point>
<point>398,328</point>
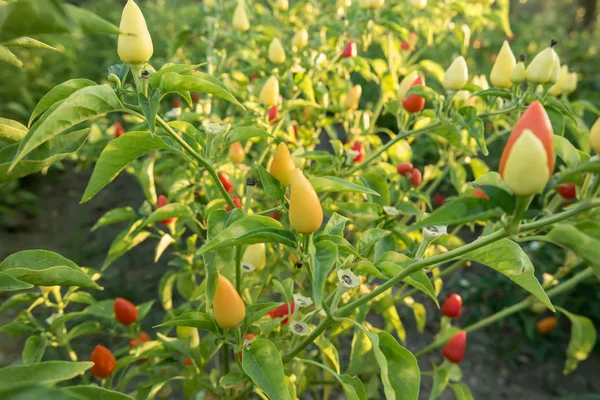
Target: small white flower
<point>302,301</point>
<point>299,328</point>
<point>215,129</point>
<point>391,211</point>
<point>247,267</point>
<point>431,233</point>
<point>347,278</point>
<point>174,112</point>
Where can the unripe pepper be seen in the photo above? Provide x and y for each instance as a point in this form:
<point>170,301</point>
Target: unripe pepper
<point>125,311</point>
<point>349,50</point>
<point>236,200</point>
<point>404,168</point>
<point>502,69</point>
<point>282,167</point>
<point>282,5</point>
<point>276,52</point>
<point>229,308</point>
<point>300,39</point>
<point>240,20</point>
<point>135,44</point>
<point>545,325</point>
<point>555,71</point>
<point>406,84</point>
<point>224,178</point>
<point>416,177</point>
<point>557,88</point>
<point>567,191</point>
<point>306,214</point>
<point>104,362</point>
<point>595,136</point>
<point>375,4</point>
<point>454,350</point>
<point>361,154</point>
<point>527,161</point>
<point>518,75</point>
<point>119,130</point>
<point>452,307</point>
<point>283,311</point>
<point>419,4</point>
<point>269,94</point>
<point>457,74</point>
<point>272,114</point>
<point>414,103</point>
<point>236,153</point>
<point>571,83</point>
<point>161,202</point>
<point>353,97</point>
<point>255,256</point>
<point>540,70</point>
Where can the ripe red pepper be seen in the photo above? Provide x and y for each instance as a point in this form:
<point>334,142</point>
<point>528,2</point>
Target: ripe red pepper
<point>567,191</point>
<point>236,201</point>
<point>414,103</point>
<point>119,130</point>
<point>405,45</point>
<point>104,362</point>
<point>195,97</point>
<point>405,168</point>
<point>248,336</point>
<point>272,114</point>
<point>361,155</point>
<point>438,199</point>
<point>481,194</point>
<point>454,350</point>
<point>176,102</point>
<point>188,361</point>
<point>452,307</point>
<point>252,77</point>
<point>224,178</point>
<point>125,311</point>
<point>349,50</point>
<point>283,311</point>
<point>415,177</point>
<point>162,201</point>
<point>546,325</point>
<point>274,215</point>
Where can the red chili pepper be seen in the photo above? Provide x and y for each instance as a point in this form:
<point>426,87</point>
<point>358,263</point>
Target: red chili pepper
<point>405,168</point>
<point>104,362</point>
<point>567,191</point>
<point>119,130</point>
<point>454,350</point>
<point>176,102</point>
<point>236,201</point>
<point>188,361</point>
<point>162,201</point>
<point>481,194</point>
<point>125,311</point>
<point>405,45</point>
<point>282,311</point>
<point>252,77</point>
<point>224,178</point>
<point>452,307</point>
<point>274,215</point>
<point>361,155</point>
<point>414,103</point>
<point>415,177</point>
<point>272,114</point>
<point>438,199</point>
<point>349,50</point>
<point>195,97</point>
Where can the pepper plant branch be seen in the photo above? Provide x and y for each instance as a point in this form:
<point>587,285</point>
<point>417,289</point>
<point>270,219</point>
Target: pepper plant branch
<point>438,259</point>
<point>565,286</point>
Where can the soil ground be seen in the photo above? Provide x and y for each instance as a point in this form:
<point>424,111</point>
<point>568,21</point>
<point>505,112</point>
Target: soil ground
<point>63,225</point>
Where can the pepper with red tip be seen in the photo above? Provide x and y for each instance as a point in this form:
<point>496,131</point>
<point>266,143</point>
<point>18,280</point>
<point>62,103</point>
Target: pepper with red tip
<point>361,155</point>
<point>414,103</point>
<point>272,114</point>
<point>452,307</point>
<point>454,350</point>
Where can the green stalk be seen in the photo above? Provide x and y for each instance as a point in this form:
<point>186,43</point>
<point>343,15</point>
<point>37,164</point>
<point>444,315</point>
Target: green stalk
<point>238,268</point>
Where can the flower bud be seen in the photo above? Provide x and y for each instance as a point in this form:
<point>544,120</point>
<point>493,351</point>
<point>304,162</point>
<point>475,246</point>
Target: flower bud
<point>240,18</point>
<point>229,308</point>
<point>518,75</point>
<point>595,136</point>
<point>406,84</point>
<point>282,167</point>
<point>255,257</point>
<point>236,153</point>
<point>502,69</point>
<point>300,39</point>
<point>276,52</point>
<point>353,97</point>
<point>306,214</point>
<point>528,158</point>
<point>432,233</point>
<point>457,74</point>
<point>269,94</point>
<point>541,68</point>
<point>135,43</point>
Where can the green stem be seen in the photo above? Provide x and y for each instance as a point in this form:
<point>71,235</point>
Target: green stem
<point>437,181</point>
<point>308,340</point>
<point>522,206</point>
<point>238,268</point>
<point>567,285</point>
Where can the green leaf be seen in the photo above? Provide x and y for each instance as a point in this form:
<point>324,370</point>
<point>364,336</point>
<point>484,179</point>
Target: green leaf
<point>238,229</point>
<point>115,216</point>
<point>474,125</point>
<point>560,106</point>
<point>369,238</point>
<point>323,257</point>
<point>183,69</point>
<point>35,391</point>
<point>42,157</point>
<point>124,242</point>
<point>360,210</point>
<point>510,260</point>
<point>497,195</point>
<point>116,155</point>
<point>583,340</point>
<point>440,381</point>
<point>244,133</point>
<point>45,268</point>
<point>174,82</point>
<point>165,290</point>
<point>194,319</point>
<point>89,22</point>
<point>233,379</point>
<point>48,372</point>
<point>353,387</point>
<point>566,151</point>
<point>9,57</point>
<point>461,391</point>
<point>262,363</point>
<point>593,165</point>
<point>335,184</point>
<point>494,92</point>
<point>335,225</point>
<point>10,284</point>
<point>270,184</point>
<point>34,350</point>
<point>29,18</point>
<point>59,93</point>
<point>585,246</point>
<point>150,108</point>
<point>256,311</point>
<point>460,211</point>
<point>12,131</point>
<point>379,184</point>
<point>93,392</point>
<point>424,91</point>
<point>82,105</point>
<point>165,241</point>
<point>170,210</point>
<point>448,131</point>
